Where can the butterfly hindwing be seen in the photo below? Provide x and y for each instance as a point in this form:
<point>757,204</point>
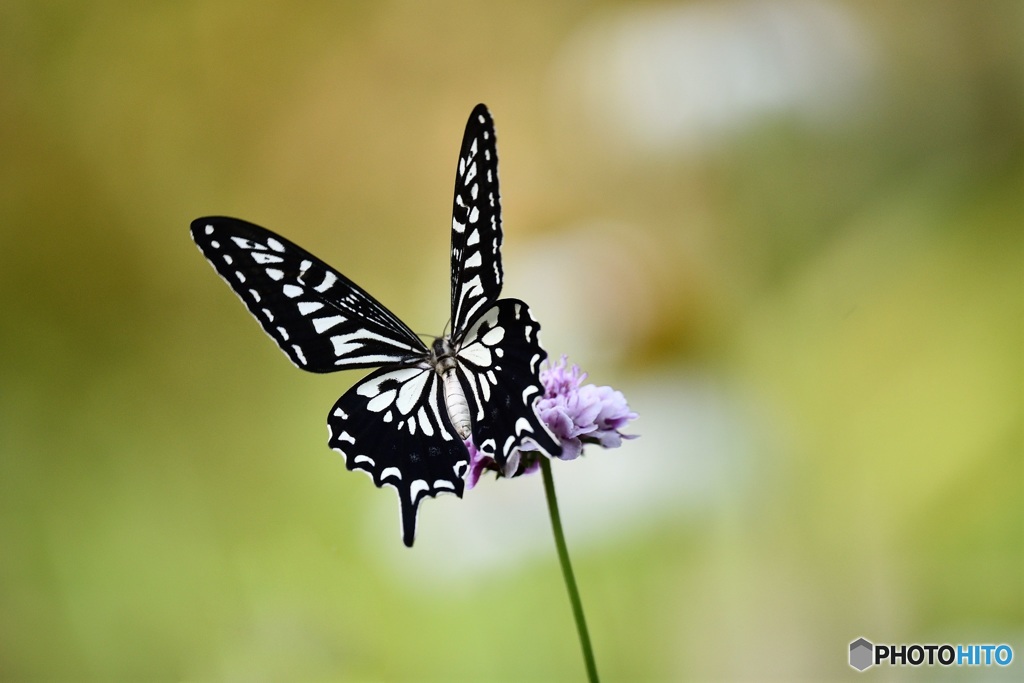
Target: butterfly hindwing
<point>476,223</point>
<point>318,317</point>
<point>393,426</point>
<point>499,362</point>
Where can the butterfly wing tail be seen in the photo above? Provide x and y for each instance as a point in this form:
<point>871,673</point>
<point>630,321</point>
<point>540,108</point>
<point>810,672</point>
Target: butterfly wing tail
<point>407,443</point>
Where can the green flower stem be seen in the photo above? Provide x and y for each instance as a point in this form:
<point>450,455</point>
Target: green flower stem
<point>570,580</point>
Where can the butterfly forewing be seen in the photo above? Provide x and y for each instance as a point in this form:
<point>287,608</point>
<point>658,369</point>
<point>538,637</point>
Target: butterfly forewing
<point>499,362</point>
<point>392,425</point>
<point>476,224</point>
<point>320,319</point>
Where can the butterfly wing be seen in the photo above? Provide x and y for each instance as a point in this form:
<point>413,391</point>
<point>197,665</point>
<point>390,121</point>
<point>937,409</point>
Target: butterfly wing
<point>409,442</point>
<point>499,364</point>
<point>321,320</point>
<point>476,223</point>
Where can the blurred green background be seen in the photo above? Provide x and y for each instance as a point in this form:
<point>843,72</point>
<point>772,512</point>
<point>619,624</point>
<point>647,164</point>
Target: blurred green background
<point>789,231</point>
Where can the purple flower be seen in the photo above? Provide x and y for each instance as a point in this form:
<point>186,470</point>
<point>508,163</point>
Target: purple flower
<point>580,413</point>
<point>576,414</point>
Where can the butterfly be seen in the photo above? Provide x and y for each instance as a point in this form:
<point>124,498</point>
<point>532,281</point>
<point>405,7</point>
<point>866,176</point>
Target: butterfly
<point>406,423</point>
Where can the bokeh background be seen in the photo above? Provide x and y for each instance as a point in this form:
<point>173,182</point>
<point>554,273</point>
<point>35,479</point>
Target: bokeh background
<point>790,232</point>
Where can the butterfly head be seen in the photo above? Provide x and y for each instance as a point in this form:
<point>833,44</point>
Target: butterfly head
<point>442,355</point>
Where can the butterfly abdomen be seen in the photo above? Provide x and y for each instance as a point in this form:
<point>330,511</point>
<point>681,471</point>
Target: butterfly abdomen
<point>455,400</point>
<point>442,357</point>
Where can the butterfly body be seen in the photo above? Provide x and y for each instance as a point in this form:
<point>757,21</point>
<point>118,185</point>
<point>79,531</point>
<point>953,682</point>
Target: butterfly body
<point>444,360</point>
<point>407,422</point>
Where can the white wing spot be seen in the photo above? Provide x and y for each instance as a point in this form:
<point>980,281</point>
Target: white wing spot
<point>264,258</point>
<point>215,244</point>
<point>381,401</point>
<point>274,273</point>
<point>360,459</point>
<point>343,346</point>
<point>238,274</point>
<point>292,291</point>
<point>474,261</point>
<point>493,336</point>
<point>284,333</point>
<point>268,314</point>
<point>228,260</point>
<point>338,412</point>
<point>321,325</point>
<point>410,392</point>
<point>474,237</point>
<point>298,354</point>
<point>208,230</point>
<point>255,295</point>
<point>274,244</point>
<point>329,279</point>
<point>477,354</point>
<point>424,422</point>
<point>418,487</point>
<point>474,215</point>
<point>345,436</point>
<point>391,472</point>
<point>307,307</point>
<point>444,484</point>
<point>523,425</point>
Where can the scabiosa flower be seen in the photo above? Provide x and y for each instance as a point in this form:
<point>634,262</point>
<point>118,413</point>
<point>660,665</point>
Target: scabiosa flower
<point>576,413</point>
<point>580,413</point>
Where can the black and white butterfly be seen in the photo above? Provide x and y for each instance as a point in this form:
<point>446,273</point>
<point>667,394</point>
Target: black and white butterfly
<point>404,424</point>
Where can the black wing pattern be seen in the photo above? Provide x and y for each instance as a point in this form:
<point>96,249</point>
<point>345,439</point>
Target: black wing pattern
<point>498,365</point>
<point>321,320</point>
<point>393,425</point>
<point>476,223</point>
<point>499,355</point>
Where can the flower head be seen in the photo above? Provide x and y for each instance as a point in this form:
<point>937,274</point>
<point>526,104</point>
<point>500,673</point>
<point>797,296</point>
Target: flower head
<point>576,414</point>
<point>580,413</point>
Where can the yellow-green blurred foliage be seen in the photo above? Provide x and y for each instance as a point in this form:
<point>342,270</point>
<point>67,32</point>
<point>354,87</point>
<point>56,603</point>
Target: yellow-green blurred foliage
<point>789,231</point>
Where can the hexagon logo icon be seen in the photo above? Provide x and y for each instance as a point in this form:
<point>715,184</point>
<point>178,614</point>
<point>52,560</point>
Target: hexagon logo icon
<point>861,654</point>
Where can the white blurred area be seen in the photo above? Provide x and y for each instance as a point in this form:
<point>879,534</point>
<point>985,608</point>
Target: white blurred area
<point>665,78</point>
<point>593,287</point>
